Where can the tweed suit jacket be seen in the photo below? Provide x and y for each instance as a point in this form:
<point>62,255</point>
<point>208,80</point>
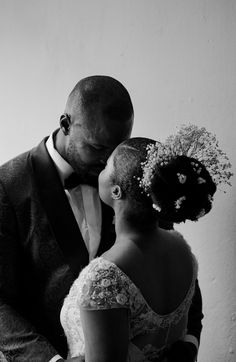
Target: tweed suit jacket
<point>41,253</point>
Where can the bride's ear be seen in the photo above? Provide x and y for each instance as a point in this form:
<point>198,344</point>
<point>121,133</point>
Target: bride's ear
<point>116,192</point>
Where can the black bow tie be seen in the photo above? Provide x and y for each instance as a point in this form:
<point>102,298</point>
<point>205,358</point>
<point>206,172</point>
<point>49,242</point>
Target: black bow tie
<point>75,180</point>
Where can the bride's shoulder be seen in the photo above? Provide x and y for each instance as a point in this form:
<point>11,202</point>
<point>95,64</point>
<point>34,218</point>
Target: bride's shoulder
<point>180,244</point>
<point>178,239</point>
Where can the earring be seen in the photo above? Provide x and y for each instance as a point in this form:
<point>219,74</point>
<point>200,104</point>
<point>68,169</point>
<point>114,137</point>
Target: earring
<point>116,192</point>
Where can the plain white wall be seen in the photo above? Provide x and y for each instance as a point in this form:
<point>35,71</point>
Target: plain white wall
<point>177,59</point>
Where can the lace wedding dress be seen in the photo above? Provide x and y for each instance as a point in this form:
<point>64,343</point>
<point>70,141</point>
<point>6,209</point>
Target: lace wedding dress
<point>102,285</point>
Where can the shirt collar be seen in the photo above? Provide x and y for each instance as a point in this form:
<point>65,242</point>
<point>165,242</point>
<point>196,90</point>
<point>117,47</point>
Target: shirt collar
<point>64,168</point>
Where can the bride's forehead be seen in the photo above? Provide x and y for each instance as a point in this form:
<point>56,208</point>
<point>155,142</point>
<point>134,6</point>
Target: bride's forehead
<point>110,159</point>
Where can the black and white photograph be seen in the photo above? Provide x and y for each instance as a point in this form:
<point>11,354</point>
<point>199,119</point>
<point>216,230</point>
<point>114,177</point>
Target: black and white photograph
<point>117,181</point>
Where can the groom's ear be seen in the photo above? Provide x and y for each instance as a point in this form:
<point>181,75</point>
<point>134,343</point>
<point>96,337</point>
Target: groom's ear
<point>116,192</point>
<point>65,123</point>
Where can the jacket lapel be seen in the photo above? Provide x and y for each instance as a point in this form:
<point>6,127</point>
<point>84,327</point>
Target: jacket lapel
<point>58,210</point>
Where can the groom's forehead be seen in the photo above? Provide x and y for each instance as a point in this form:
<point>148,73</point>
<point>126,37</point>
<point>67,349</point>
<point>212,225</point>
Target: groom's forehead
<point>109,134</point>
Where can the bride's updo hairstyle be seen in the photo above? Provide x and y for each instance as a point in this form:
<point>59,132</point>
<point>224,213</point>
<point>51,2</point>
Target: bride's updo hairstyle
<point>164,183</point>
<point>181,189</point>
<point>174,192</point>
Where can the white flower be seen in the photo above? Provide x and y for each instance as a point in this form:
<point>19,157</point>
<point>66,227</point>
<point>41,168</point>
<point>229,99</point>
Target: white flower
<point>196,167</point>
<point>105,283</point>
<point>121,298</point>
<point>156,207</point>
<point>201,180</point>
<point>178,202</point>
<point>181,177</point>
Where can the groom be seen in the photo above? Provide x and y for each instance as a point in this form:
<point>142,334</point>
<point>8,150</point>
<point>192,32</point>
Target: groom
<point>52,221</point>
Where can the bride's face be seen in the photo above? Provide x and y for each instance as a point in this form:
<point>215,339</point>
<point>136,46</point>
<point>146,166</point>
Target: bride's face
<point>104,182</point>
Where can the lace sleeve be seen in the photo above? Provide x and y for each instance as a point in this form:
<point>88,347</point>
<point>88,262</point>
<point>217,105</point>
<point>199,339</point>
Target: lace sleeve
<point>102,286</point>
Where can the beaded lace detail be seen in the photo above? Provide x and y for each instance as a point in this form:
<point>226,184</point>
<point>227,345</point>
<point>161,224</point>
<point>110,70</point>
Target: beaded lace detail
<point>102,285</point>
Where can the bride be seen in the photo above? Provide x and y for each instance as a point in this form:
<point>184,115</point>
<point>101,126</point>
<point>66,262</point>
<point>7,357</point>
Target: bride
<point>131,304</point>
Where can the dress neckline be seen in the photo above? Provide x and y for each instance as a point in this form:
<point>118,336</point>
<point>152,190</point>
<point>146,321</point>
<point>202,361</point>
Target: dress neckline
<point>178,308</point>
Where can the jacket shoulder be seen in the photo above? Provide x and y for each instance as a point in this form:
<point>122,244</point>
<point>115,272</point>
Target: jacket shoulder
<point>15,168</point>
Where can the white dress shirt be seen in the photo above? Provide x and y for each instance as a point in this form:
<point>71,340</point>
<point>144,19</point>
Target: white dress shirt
<point>85,204</point>
<point>84,201</point>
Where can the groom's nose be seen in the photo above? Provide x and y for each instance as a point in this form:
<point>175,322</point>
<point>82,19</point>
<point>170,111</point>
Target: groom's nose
<point>105,155</point>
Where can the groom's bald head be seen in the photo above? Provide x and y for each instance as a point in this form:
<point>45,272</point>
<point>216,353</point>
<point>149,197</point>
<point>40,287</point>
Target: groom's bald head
<point>102,94</point>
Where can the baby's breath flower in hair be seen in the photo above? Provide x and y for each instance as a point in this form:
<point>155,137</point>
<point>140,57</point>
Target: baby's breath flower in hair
<point>201,180</point>
<point>157,154</point>
<point>156,207</point>
<point>202,145</point>
<point>192,142</point>
<point>181,177</point>
<point>202,150</point>
<point>179,202</point>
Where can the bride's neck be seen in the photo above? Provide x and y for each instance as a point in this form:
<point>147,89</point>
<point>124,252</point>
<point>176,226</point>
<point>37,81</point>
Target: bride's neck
<point>125,227</point>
